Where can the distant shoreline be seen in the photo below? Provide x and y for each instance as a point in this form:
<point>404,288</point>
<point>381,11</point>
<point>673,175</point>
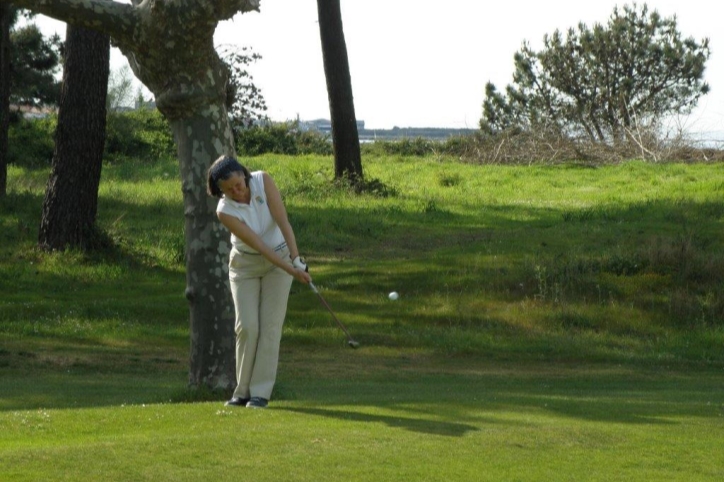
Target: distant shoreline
<point>397,133</point>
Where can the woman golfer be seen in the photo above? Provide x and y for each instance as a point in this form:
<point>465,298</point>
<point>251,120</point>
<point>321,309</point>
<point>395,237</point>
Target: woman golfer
<point>263,262</point>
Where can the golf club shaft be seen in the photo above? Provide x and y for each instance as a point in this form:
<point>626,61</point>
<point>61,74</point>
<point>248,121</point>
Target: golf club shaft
<point>326,305</point>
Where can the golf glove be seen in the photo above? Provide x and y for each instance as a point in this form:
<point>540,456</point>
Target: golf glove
<point>298,263</point>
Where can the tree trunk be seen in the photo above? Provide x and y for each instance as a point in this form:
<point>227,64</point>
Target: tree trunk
<point>5,14</point>
<point>169,46</point>
<point>201,139</point>
<point>345,138</point>
<point>71,196</point>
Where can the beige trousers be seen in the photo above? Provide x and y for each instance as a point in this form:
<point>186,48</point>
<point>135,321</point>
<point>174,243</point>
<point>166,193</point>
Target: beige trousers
<point>260,291</point>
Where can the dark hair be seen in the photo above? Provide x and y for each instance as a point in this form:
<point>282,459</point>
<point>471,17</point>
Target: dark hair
<point>221,170</point>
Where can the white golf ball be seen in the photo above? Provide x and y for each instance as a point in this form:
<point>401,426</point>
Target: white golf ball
<point>393,296</point>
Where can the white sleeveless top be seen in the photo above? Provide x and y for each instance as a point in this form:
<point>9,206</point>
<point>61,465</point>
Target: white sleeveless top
<point>256,215</point>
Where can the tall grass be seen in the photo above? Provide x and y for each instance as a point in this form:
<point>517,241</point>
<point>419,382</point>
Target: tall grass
<point>555,323</point>
<point>562,262</point>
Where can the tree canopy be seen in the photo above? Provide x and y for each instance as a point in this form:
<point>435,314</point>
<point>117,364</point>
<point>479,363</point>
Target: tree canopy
<point>603,81</point>
<point>34,61</point>
<point>244,99</point>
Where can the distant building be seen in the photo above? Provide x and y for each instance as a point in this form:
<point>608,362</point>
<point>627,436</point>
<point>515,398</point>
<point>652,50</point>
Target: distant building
<point>396,133</point>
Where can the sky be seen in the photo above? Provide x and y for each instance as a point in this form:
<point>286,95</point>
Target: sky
<point>422,63</point>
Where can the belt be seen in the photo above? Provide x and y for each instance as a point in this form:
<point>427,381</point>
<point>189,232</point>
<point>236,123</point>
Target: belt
<point>277,249</point>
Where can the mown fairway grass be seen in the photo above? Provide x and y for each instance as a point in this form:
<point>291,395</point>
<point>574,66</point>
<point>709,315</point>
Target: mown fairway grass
<point>555,323</point>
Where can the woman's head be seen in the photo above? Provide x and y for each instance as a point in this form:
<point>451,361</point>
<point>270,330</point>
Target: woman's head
<point>222,169</point>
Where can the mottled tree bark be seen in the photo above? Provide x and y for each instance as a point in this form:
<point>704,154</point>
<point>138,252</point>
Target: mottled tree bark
<point>345,138</point>
<point>201,139</point>
<point>169,46</point>
<point>71,196</point>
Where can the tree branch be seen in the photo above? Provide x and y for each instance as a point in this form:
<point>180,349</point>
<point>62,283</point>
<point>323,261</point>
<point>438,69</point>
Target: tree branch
<point>119,19</point>
<point>225,9</point>
<point>114,18</point>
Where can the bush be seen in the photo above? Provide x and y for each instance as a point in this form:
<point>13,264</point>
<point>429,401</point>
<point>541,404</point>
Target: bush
<point>285,138</point>
<point>31,142</point>
<point>403,147</point>
<point>142,134</point>
<point>549,147</point>
<point>311,142</point>
<point>460,146</point>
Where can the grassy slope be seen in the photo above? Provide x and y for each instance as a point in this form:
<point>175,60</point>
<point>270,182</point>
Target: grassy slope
<point>554,323</point>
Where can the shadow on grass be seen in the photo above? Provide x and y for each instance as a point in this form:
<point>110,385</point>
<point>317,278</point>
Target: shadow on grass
<point>473,392</point>
<point>436,396</point>
<point>431,427</point>
<point>83,390</point>
<point>410,241</point>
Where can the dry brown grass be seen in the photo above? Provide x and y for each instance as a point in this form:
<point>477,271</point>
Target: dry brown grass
<point>549,147</point>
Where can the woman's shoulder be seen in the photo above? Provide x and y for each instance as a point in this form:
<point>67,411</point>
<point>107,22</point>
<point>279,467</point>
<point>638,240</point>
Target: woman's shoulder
<point>225,203</point>
<point>258,176</point>
<point>229,205</point>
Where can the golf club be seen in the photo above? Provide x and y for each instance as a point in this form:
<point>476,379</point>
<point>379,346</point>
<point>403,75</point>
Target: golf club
<point>350,341</point>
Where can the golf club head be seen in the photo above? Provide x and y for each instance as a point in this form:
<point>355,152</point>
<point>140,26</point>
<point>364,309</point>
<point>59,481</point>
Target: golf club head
<point>353,344</point>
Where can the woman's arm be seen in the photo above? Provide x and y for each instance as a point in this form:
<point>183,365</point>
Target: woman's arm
<point>279,213</point>
<point>251,239</point>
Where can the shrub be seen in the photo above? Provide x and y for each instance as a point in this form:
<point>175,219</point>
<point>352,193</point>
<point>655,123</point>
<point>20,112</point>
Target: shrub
<point>142,133</point>
<point>404,147</point>
<point>311,142</point>
<point>461,146</point>
<point>257,140</point>
<point>30,142</point>
<point>549,147</point>
<point>284,138</point>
